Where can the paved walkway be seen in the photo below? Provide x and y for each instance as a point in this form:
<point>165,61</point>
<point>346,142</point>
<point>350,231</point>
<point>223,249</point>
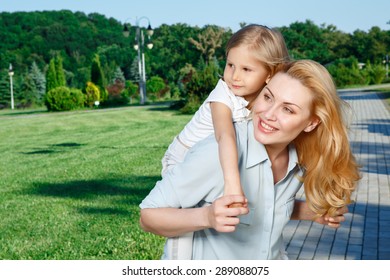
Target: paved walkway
<point>366,233</point>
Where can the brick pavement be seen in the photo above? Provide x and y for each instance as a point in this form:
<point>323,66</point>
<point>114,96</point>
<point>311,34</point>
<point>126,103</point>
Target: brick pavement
<point>366,233</point>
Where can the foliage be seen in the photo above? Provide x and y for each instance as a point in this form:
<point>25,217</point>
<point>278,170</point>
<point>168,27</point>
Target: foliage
<point>38,83</point>
<point>60,74</point>
<point>51,76</point>
<point>208,41</point>
<point>116,94</point>
<point>346,72</point>
<point>375,73</point>
<point>118,76</point>
<point>130,91</point>
<point>98,78</point>
<point>64,99</point>
<point>92,94</point>
<point>199,84</point>
<point>156,88</point>
<point>85,41</point>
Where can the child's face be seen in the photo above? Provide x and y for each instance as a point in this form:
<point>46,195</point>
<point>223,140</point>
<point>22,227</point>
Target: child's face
<point>282,111</point>
<point>244,74</point>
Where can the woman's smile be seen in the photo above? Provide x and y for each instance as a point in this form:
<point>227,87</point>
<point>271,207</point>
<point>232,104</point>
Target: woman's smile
<point>266,128</point>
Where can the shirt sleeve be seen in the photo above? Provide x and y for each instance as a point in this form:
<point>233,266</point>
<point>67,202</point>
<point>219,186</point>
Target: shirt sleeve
<point>221,94</point>
<point>236,104</point>
<point>195,181</point>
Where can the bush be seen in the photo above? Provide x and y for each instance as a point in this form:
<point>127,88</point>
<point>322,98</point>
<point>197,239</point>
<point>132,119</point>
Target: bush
<point>64,99</point>
<point>92,94</point>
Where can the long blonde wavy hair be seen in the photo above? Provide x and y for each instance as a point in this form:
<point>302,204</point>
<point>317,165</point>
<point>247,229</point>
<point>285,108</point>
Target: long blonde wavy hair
<point>331,169</point>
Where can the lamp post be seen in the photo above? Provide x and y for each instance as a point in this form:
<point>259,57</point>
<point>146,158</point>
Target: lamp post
<point>139,47</point>
<point>11,73</point>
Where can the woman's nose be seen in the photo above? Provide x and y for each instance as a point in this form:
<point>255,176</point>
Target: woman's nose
<point>269,114</point>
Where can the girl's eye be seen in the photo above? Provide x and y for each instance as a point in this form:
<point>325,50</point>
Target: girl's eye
<point>247,70</point>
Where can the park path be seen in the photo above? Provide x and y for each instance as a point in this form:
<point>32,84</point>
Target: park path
<point>366,233</point>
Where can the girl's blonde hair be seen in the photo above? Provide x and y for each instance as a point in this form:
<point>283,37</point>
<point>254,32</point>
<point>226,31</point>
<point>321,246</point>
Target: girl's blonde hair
<point>267,45</point>
<point>331,169</point>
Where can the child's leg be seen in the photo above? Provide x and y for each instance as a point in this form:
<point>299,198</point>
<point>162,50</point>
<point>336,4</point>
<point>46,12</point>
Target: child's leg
<point>174,154</point>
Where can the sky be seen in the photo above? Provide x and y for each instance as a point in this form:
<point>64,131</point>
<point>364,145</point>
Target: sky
<point>347,15</point>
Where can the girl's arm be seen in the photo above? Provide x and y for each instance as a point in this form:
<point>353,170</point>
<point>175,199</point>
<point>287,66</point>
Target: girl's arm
<point>170,222</point>
<point>227,147</point>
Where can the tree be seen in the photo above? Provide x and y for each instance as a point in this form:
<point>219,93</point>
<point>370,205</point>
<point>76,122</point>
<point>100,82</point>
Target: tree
<point>60,74</point>
<point>5,95</point>
<point>156,88</point>
<point>38,83</point>
<point>97,77</point>
<point>118,76</point>
<point>208,41</point>
<point>92,93</point>
<point>51,77</point>
<point>306,40</point>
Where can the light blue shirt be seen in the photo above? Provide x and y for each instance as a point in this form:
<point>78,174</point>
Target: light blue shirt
<point>198,181</point>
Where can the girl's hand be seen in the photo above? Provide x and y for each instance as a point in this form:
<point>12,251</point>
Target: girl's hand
<point>223,218</point>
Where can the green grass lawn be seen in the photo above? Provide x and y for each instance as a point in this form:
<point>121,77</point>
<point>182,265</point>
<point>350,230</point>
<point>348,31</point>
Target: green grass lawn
<point>71,182</point>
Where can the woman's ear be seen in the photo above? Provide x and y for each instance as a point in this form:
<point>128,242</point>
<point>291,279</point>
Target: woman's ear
<point>268,79</point>
<point>312,125</point>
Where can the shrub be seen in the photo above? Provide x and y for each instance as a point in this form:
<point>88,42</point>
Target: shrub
<point>64,99</point>
<point>92,94</point>
<point>116,94</point>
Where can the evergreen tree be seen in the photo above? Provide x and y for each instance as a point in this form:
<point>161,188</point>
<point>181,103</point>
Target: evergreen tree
<point>118,76</point>
<point>5,95</point>
<point>51,77</point>
<point>29,91</point>
<point>61,81</point>
<point>134,71</point>
<point>97,77</point>
<point>39,82</point>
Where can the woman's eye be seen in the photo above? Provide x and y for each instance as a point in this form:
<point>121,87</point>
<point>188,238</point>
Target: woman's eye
<point>288,110</point>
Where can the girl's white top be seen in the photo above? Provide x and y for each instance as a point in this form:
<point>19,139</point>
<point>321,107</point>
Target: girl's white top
<point>201,124</point>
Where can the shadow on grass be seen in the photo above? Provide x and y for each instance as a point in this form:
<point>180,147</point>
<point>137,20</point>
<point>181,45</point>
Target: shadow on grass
<point>132,191</point>
<point>21,112</point>
<point>55,148</point>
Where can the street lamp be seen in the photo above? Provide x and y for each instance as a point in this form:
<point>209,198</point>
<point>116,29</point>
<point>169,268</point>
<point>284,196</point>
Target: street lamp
<point>139,47</point>
<point>11,73</point>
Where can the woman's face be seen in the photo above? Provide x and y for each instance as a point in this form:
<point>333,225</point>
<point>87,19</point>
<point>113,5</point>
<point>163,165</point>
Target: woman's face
<point>282,111</point>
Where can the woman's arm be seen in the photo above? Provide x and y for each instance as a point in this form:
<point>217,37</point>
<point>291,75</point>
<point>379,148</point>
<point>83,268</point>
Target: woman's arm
<point>302,212</point>
<point>170,222</point>
<point>227,147</point>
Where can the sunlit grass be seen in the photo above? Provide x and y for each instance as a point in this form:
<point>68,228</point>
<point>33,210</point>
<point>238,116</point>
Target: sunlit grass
<point>71,182</point>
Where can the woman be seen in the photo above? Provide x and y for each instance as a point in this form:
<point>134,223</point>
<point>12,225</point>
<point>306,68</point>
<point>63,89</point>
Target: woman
<point>297,136</point>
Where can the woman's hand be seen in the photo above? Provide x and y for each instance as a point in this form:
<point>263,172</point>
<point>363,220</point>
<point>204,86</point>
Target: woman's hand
<point>335,221</point>
<point>223,218</point>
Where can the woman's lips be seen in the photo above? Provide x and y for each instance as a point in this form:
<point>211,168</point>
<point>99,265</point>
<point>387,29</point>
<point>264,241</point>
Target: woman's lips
<point>266,127</point>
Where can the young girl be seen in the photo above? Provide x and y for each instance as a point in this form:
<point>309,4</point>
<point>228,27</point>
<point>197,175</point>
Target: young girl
<point>253,53</point>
